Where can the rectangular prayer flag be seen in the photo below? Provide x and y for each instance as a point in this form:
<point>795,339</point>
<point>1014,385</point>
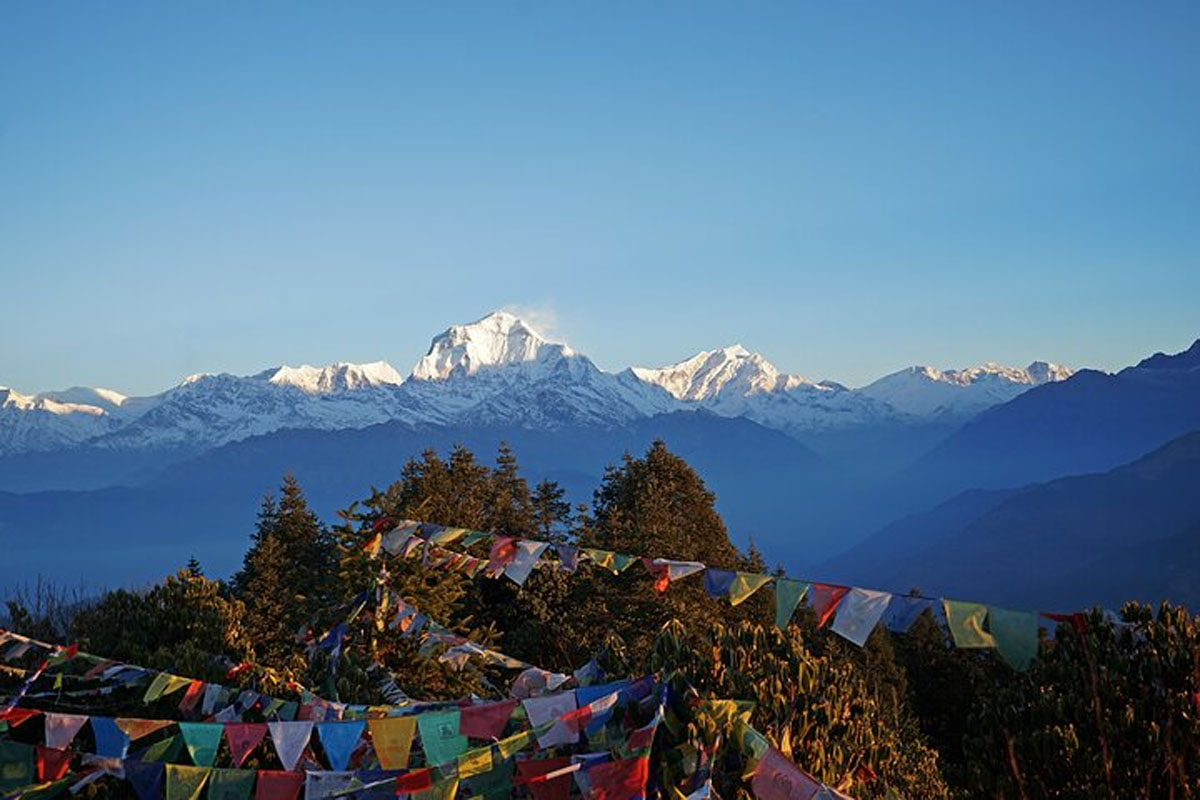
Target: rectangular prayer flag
<point>966,622</point>
<point>475,762</point>
<point>532,772</point>
<point>441,737</point>
<point>858,614</point>
<point>788,594</point>
<point>52,764</point>
<point>776,777</point>
<point>230,784</point>
<point>1016,635</point>
<point>278,785</point>
<point>825,599</point>
<point>185,783</point>
<point>547,709</point>
<point>486,720</point>
<point>524,560</point>
<point>718,581</point>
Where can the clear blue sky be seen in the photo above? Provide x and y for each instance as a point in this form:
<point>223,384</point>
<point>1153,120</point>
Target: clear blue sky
<point>847,187</point>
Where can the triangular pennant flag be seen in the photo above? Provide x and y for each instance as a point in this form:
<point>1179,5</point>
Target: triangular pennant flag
<point>858,614</point>
<point>486,720</point>
<point>243,737</point>
<point>825,599</point>
<point>392,738</point>
<point>146,777</point>
<point>52,764</point>
<point>718,581</point>
<point>185,783</point>
<point>965,621</point>
<point>475,762</point>
<point>111,741</point>
<point>745,584</point>
<point>788,594</point>
<point>290,739</point>
<point>557,788</point>
<point>777,778</point>
<point>669,571</point>
<point>525,559</point>
<point>202,740</point>
<point>622,562</point>
<point>568,557</point>
<point>230,784</point>
<point>61,729</point>
<point>1016,635</point>
<point>904,610</point>
<point>169,749</point>
<point>155,690</point>
<point>441,738</point>
<point>137,728</point>
<point>276,785</point>
<point>339,739</point>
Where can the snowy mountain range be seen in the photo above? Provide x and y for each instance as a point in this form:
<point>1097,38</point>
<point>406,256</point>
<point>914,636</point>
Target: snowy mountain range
<point>497,370</point>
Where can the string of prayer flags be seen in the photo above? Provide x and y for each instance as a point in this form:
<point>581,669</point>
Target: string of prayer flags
<point>278,785</point>
<point>858,613</point>
<point>290,739</point>
<point>775,777</point>
<point>392,738</point>
<point>147,779</point>
<point>202,740</point>
<point>111,741</point>
<point>524,560</point>
<point>339,739</point>
<point>548,709</point>
<point>965,621</point>
<point>441,737</point>
<point>718,581</point>
<point>230,784</point>
<point>745,584</point>
<point>62,728</point>
<point>825,598</point>
<point>1016,635</point>
<point>486,720</point>
<point>243,737</point>
<point>788,594</point>
<point>185,783</point>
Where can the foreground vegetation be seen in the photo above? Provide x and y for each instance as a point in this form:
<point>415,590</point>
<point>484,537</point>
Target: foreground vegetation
<point>1109,710</point>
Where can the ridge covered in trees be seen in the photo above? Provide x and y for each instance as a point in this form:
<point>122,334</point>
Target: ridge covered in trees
<point>1109,710</point>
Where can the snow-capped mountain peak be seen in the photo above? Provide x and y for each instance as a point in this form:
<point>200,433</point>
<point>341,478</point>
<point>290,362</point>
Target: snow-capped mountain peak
<point>711,373</point>
<point>500,339</point>
<point>928,391</point>
<point>337,377</point>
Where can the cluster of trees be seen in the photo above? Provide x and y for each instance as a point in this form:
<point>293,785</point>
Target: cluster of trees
<point>1111,709</point>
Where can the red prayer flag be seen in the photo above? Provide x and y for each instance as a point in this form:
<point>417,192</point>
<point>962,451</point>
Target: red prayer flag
<point>486,720</point>
<point>825,599</point>
<point>15,716</point>
<point>274,784</point>
<point>1077,621</point>
<point>243,737</point>
<point>52,764</point>
<point>558,788</point>
<point>192,696</point>
<point>416,781</point>
<point>623,779</point>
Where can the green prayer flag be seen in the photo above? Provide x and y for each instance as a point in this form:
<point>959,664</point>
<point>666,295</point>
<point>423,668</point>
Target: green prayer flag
<point>168,749</point>
<point>622,561</point>
<point>473,537</point>
<point>745,584</point>
<point>156,687</point>
<point>440,737</point>
<point>202,740</point>
<point>966,624</point>
<point>496,784</point>
<point>1016,635</point>
<point>16,766</point>
<point>788,594</point>
<point>231,784</point>
<point>185,783</point>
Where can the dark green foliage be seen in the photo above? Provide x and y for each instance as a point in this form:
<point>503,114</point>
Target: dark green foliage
<point>288,577</point>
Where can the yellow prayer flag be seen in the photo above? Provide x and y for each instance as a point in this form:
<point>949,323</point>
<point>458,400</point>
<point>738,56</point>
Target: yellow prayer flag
<point>514,744</point>
<point>392,737</point>
<point>475,762</point>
